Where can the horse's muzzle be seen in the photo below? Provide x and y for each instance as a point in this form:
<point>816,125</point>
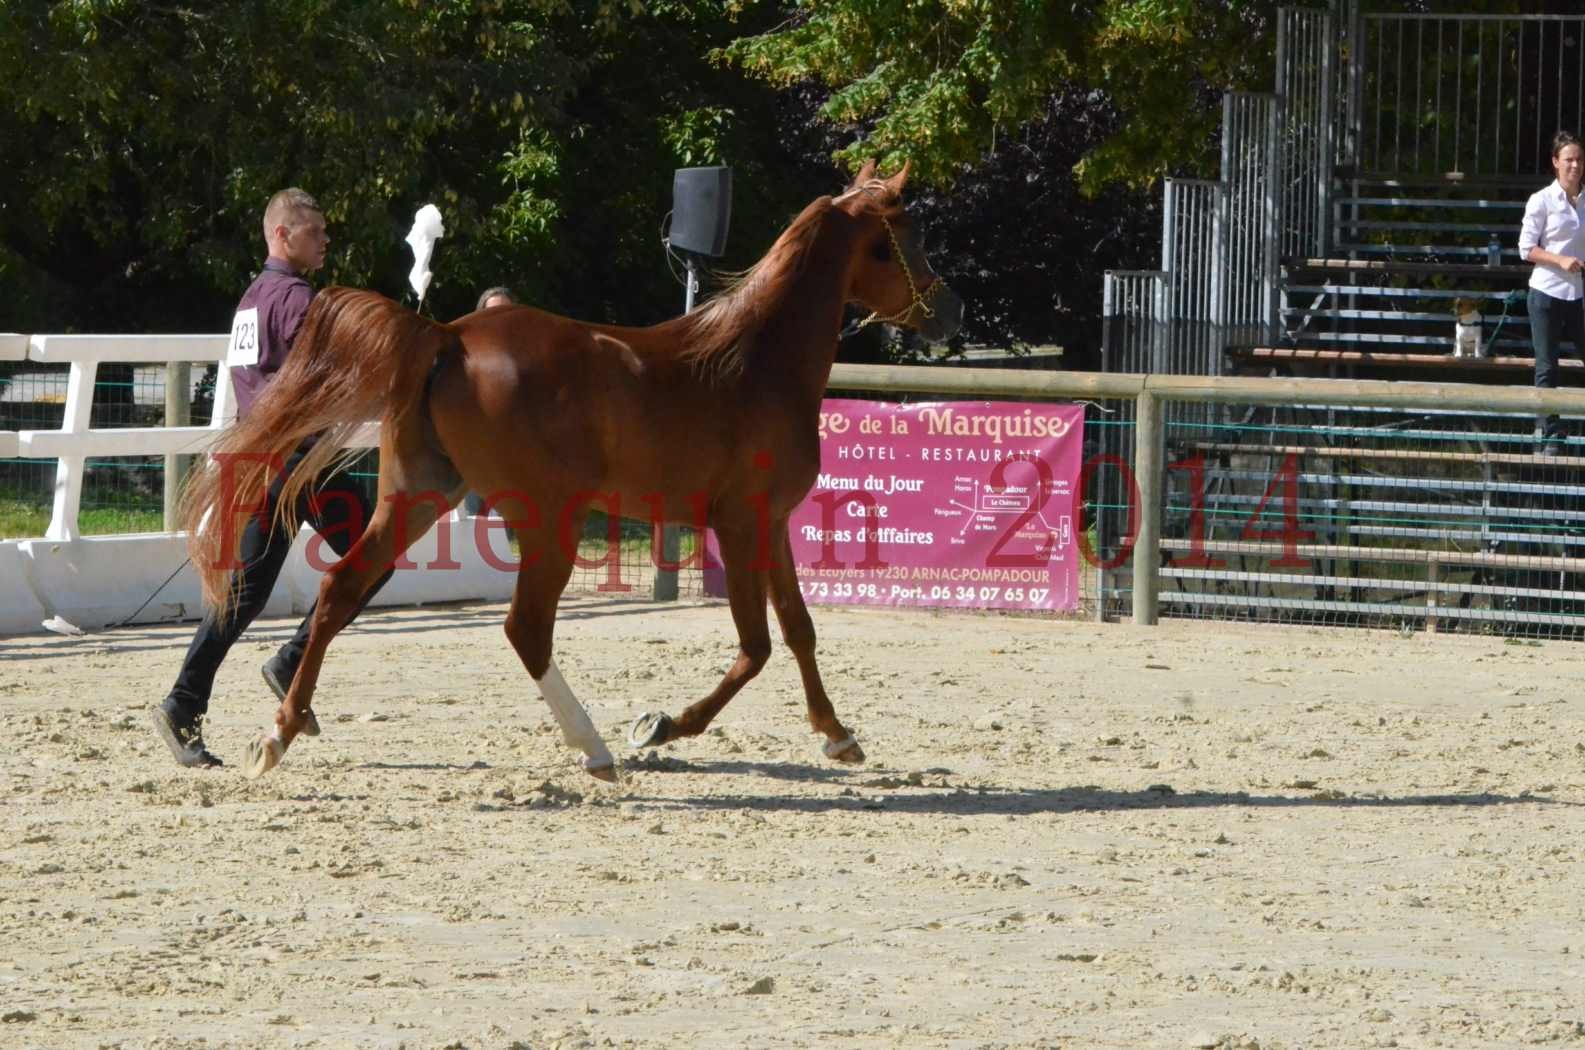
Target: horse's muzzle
<point>945,316</point>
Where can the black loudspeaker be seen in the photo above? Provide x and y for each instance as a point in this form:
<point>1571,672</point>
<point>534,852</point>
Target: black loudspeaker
<point>701,209</point>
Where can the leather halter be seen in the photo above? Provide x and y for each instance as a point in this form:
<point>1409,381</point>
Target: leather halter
<point>916,300</point>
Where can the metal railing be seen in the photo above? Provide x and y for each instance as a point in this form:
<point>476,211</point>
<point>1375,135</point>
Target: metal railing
<point>1248,240</point>
<point>1406,514</point>
<point>1462,95</point>
<point>1194,218</point>
<point>1402,106</point>
<point>1360,502</point>
<point>1306,148</point>
<point>1132,334</point>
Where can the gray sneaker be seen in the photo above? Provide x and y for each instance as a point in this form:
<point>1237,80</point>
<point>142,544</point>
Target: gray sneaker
<point>274,679</point>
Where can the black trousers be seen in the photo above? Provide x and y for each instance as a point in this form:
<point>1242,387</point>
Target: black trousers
<point>1552,321</point>
<point>339,512</point>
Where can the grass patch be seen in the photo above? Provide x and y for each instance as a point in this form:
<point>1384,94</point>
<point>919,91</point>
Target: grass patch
<point>26,520</point>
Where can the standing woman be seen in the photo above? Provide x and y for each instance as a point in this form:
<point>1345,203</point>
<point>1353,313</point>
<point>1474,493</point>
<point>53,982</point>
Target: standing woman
<point>1553,238</point>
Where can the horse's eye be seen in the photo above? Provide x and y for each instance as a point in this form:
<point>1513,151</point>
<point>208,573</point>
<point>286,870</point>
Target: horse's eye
<point>882,251</point>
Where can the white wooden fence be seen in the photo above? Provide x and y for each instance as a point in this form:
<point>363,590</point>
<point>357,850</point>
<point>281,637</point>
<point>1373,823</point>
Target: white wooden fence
<point>92,581</point>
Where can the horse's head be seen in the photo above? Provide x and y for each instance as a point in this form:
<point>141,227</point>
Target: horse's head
<point>890,275</point>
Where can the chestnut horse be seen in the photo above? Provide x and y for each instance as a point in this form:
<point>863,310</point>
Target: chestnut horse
<point>710,418</point>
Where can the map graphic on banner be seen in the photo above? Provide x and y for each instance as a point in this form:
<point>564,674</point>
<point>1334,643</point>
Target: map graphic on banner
<point>955,504</point>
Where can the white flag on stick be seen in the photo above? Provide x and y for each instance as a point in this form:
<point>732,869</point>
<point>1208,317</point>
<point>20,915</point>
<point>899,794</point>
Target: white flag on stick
<point>427,229</point>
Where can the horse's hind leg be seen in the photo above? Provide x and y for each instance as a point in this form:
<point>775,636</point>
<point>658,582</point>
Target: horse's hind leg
<point>529,626</point>
<point>798,631</point>
<point>745,590</point>
<point>408,505</point>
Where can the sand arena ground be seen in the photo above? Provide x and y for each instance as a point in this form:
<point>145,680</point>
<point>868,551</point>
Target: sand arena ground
<point>1068,834</point>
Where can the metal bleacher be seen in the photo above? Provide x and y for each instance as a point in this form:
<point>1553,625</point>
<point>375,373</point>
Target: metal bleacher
<point>1375,216</point>
<point>1406,251</point>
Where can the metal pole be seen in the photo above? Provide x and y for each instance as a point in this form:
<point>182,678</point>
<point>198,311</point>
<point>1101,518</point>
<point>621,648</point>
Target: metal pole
<point>1167,312</point>
<point>178,413</point>
<point>1110,330</point>
<point>1147,471</point>
<point>666,587</point>
<point>1351,96</point>
<point>1221,202</point>
<point>1328,142</point>
<point>1271,222</point>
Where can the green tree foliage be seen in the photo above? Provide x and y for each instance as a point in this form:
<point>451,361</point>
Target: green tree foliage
<point>156,132</point>
<point>944,82</point>
<point>544,130</point>
<point>654,102</point>
<point>1013,235</point>
<point>143,139</point>
<point>1026,247</point>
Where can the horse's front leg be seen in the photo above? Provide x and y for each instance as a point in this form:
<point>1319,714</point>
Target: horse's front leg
<point>529,627</point>
<point>403,513</point>
<point>341,594</point>
<point>745,590</point>
<point>798,631</point>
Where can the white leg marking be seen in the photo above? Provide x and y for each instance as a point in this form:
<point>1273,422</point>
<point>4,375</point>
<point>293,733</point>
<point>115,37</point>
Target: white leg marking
<point>833,748</point>
<point>576,729</point>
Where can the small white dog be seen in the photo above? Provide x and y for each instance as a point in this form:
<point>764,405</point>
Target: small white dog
<point>1467,329</point>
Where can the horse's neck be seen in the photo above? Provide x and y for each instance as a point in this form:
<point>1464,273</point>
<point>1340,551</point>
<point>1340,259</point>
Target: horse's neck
<point>800,331</point>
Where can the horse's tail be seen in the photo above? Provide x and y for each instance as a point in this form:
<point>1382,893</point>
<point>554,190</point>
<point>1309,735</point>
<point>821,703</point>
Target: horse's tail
<point>358,357</point>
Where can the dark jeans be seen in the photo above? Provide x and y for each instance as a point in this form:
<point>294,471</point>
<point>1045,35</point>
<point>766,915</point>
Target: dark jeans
<point>339,512</point>
<point>1551,322</point>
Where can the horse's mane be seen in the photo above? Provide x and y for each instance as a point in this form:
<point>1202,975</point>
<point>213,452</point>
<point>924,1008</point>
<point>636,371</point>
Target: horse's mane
<point>714,335</point>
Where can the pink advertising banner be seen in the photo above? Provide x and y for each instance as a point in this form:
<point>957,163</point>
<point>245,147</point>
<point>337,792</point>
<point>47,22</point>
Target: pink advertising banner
<point>957,504</point>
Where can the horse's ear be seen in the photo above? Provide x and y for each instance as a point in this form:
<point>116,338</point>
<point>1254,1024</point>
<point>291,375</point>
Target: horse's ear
<point>866,173</point>
<point>894,185</point>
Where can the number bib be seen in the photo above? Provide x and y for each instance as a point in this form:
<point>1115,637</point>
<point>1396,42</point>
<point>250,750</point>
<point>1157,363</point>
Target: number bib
<point>244,347</point>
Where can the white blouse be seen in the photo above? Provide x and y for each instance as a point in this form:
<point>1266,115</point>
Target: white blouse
<point>1554,224</point>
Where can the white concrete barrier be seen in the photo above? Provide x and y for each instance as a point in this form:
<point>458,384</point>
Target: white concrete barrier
<point>96,581</point>
<point>462,576</point>
<point>20,611</point>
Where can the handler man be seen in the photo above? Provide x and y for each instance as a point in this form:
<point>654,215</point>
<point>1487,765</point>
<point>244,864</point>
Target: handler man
<point>266,324</point>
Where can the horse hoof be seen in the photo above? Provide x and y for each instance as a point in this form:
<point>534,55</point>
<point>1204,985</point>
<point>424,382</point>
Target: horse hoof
<point>280,686</point>
<point>650,730</point>
<point>264,754</point>
<point>845,750</point>
<point>606,772</point>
